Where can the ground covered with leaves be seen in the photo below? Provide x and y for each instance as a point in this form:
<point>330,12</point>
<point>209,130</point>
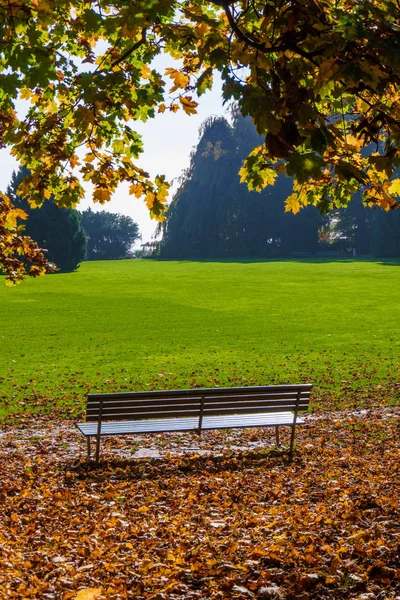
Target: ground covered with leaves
<point>227,516</point>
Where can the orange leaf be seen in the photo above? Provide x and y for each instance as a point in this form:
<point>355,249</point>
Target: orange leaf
<point>88,594</point>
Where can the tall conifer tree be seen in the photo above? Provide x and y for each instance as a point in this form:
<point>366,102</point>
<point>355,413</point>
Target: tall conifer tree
<point>213,215</point>
<point>56,229</point>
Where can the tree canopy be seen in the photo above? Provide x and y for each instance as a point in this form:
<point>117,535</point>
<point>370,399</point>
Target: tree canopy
<point>110,235</point>
<point>319,78</point>
<point>213,215</point>
<point>56,229</point>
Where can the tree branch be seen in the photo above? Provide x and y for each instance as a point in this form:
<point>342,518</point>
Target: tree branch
<point>130,50</point>
<point>262,47</point>
<point>244,37</point>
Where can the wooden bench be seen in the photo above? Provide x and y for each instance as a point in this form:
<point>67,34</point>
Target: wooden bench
<point>194,410</point>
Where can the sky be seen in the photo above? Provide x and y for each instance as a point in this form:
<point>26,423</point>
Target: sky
<point>168,140</point>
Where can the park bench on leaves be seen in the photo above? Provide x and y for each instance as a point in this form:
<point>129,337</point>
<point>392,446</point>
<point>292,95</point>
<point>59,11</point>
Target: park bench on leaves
<point>194,410</point>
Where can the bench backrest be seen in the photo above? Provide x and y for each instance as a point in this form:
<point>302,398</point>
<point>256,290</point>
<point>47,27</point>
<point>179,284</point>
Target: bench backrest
<point>205,402</point>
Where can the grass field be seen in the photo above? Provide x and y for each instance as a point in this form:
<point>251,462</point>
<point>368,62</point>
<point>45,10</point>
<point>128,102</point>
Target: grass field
<point>135,324</point>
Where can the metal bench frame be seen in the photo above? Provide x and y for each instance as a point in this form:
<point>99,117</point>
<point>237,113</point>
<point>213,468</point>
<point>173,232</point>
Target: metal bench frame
<point>194,410</point>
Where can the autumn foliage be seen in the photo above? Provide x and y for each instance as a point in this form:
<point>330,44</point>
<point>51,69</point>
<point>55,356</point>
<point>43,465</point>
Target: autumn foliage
<point>19,254</point>
<point>224,517</point>
<point>319,79</point>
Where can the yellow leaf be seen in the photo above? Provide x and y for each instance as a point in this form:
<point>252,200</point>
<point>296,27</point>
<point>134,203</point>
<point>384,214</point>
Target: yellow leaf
<point>394,187</point>
<point>43,6</point>
<point>25,93</point>
<point>144,509</point>
<point>21,214</point>
<point>88,594</point>
<point>74,161</point>
<point>292,204</point>
<point>180,79</point>
<point>149,200</point>
<point>189,105</point>
<point>161,108</point>
<point>24,187</point>
<point>89,157</point>
<point>101,195</point>
<point>136,189</point>
<point>145,71</point>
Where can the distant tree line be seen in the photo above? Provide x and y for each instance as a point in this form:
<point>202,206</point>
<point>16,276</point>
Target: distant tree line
<point>213,215</point>
<point>109,235</point>
<point>70,236</point>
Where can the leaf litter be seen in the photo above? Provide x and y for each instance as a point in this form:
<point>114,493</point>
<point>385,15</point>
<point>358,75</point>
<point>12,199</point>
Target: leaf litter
<point>222,516</point>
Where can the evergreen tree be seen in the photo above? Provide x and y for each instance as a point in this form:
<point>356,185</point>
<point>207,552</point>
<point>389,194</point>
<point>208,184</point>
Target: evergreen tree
<point>56,229</point>
<point>386,234</point>
<point>110,235</point>
<point>213,215</point>
<point>369,231</point>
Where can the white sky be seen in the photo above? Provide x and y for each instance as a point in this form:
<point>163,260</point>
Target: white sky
<point>168,140</point>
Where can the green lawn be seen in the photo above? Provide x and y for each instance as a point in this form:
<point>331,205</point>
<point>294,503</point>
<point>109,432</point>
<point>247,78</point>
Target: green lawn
<point>137,324</point>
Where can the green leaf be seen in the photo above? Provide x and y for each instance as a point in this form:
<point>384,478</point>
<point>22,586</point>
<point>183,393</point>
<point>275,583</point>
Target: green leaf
<point>304,165</point>
<point>318,141</point>
<point>205,82</point>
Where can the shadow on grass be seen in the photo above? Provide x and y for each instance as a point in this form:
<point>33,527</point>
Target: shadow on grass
<point>245,261</point>
<point>390,262</point>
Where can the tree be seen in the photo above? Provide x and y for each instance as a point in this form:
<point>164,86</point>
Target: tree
<point>110,235</point>
<point>213,215</point>
<point>320,80</point>
<point>385,235</point>
<point>56,229</point>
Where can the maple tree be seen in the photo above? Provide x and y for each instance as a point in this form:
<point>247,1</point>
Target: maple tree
<point>320,79</point>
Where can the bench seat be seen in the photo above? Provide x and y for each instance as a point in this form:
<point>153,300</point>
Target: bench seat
<point>196,410</point>
<point>188,424</point>
<point>142,426</point>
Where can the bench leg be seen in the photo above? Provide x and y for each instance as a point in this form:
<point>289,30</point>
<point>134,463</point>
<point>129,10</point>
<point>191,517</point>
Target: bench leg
<point>278,443</point>
<point>292,442</point>
<point>88,447</point>
<point>97,448</point>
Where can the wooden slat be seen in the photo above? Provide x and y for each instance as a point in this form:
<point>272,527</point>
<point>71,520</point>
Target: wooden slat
<point>195,401</point>
<point>137,408</point>
<point>109,400</point>
<point>266,402</point>
<point>142,416</point>
<point>200,392</point>
<point>181,414</point>
<point>257,396</point>
<point>248,411</point>
<point>142,407</point>
<point>117,413</point>
<point>109,407</point>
